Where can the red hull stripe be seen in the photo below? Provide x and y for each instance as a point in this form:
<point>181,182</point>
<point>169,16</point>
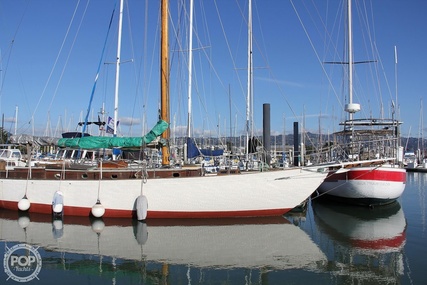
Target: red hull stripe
<point>109,213</point>
<point>376,175</point>
<point>223,214</point>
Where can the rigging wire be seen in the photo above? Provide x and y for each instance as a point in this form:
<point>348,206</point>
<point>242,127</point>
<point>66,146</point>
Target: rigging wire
<point>137,73</point>
<point>9,52</point>
<point>97,73</point>
<point>10,47</point>
<point>71,48</point>
<point>55,63</point>
<point>316,54</point>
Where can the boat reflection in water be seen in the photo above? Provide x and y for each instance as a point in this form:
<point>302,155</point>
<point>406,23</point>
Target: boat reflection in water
<point>364,245</point>
<point>267,244</point>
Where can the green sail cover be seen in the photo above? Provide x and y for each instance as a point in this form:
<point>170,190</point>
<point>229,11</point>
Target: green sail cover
<point>94,142</point>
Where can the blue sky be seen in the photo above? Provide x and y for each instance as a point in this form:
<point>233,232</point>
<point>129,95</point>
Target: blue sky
<point>50,51</point>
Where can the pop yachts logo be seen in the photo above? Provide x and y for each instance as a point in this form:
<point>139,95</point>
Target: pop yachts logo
<point>22,263</point>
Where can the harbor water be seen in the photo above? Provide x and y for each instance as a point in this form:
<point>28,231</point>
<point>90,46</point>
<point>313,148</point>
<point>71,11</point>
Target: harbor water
<point>325,244</point>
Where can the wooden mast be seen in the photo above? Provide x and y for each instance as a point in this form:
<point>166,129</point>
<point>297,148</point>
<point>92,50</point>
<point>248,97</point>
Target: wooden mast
<point>164,77</point>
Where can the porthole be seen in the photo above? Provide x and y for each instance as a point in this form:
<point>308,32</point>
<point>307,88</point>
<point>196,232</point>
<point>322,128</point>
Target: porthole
<point>84,176</point>
<point>57,176</point>
<point>175,174</point>
<point>113,176</point>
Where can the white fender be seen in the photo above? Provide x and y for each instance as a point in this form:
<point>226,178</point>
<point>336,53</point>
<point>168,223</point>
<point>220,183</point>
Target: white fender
<point>141,207</point>
<point>24,204</point>
<point>98,210</point>
<point>58,202</point>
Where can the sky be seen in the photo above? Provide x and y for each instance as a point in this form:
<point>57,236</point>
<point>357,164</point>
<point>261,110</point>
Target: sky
<point>52,51</point>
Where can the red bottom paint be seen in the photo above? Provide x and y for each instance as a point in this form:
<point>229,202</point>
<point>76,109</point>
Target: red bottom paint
<point>110,213</point>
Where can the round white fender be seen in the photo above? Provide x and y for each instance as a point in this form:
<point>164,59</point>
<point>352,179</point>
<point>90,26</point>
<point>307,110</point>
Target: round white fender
<point>24,204</point>
<point>98,210</point>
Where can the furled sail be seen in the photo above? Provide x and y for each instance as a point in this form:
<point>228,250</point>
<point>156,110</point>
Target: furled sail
<point>95,142</point>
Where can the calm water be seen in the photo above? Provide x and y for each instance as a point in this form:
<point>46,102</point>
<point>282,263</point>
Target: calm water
<point>328,244</point>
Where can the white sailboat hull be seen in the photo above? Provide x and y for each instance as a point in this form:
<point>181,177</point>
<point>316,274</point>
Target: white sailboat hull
<point>270,193</point>
<point>365,185</point>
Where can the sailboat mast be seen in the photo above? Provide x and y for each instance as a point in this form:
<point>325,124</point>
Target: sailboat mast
<point>250,76</point>
<point>116,91</point>
<point>190,63</point>
<point>395,78</point>
<point>350,57</point>
<point>190,76</point>
<point>164,78</point>
<point>351,107</point>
